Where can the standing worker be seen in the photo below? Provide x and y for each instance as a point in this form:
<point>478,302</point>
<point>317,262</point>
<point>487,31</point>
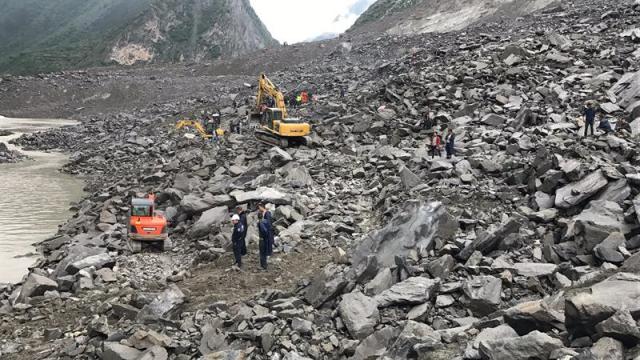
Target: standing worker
<point>262,245</point>
<point>589,117</point>
<point>436,143</point>
<point>236,240</point>
<point>427,123</point>
<point>449,143</point>
<point>215,119</point>
<point>266,235</point>
<point>243,220</point>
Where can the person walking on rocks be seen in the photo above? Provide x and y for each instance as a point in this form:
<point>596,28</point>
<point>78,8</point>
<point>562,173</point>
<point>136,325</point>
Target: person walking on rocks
<point>267,220</point>
<point>243,220</point>
<point>449,143</point>
<point>236,240</point>
<point>589,113</point>
<point>264,231</point>
<point>235,126</point>
<point>427,123</point>
<point>436,144</point>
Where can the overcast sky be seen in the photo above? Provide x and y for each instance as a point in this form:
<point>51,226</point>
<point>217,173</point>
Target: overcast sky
<point>299,20</point>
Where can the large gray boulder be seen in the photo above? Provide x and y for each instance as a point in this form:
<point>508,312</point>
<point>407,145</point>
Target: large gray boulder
<point>408,178</point>
<point>117,351</point>
<point>296,175</point>
<point>534,269</point>
<point>489,334</point>
<point>227,355</point>
<point>441,267</point>
<point>107,217</point>
<point>589,307</point>
<point>265,194</point>
<point>279,157</point>
<point>415,228</point>
<point>413,334</point>
<point>326,285</point>
<point>489,240</point>
<point>97,261</point>
<point>482,294</point>
<point>376,344</point>
<point>621,326</point>
<point>544,315</point>
<point>193,204</point>
<point>617,191</point>
<point>595,223</point>
<point>35,285</point>
<point>209,218</point>
<point>577,192</point>
<point>381,282</point>
<point>635,126</point>
<point>359,314</point>
<point>535,345</point>
<point>627,89</point>
<point>76,253</point>
<point>607,349</point>
<point>163,305</point>
<point>155,353</point>
<point>414,290</point>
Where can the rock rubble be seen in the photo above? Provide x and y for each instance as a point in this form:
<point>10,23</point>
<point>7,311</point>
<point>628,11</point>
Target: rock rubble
<point>523,245</point>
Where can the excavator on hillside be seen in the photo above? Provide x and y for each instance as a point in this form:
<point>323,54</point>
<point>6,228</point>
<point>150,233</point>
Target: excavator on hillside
<point>275,126</point>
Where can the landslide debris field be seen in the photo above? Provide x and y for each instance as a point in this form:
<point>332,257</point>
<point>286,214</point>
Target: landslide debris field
<point>524,245</point>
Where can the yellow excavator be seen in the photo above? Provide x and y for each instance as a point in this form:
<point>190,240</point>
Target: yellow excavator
<point>275,126</point>
<point>194,124</point>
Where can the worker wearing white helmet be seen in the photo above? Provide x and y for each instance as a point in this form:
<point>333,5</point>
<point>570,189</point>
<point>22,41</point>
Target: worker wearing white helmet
<point>236,240</point>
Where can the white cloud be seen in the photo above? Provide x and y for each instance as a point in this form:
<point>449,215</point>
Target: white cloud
<point>295,20</point>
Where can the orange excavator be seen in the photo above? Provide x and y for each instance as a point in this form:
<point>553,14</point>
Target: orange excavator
<point>147,225</point>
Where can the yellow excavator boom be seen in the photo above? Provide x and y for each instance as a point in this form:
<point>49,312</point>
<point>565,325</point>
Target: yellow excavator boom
<point>265,86</point>
<point>193,124</point>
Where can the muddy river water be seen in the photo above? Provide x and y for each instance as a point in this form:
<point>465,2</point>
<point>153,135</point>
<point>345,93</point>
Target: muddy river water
<point>34,198</point>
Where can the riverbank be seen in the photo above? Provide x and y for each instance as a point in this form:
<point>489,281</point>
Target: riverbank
<point>36,197</point>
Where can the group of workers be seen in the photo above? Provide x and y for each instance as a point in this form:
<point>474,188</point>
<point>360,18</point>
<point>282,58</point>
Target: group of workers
<point>590,113</point>
<point>436,143</point>
<point>212,122</point>
<point>213,125</point>
<point>239,235</point>
<point>295,100</point>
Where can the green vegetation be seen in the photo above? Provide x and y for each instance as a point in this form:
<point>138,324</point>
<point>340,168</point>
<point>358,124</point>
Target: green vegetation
<point>49,35</point>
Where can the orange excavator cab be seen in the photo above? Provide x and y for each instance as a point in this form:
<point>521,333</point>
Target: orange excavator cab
<point>146,225</point>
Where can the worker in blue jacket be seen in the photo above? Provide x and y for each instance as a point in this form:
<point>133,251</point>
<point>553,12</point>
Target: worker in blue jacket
<point>236,240</point>
<point>266,234</point>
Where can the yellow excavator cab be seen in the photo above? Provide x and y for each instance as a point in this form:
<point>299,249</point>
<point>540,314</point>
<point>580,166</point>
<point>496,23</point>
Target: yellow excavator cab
<point>276,128</point>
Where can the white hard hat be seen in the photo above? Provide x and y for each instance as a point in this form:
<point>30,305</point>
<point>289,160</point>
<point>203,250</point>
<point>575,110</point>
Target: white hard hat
<point>235,217</point>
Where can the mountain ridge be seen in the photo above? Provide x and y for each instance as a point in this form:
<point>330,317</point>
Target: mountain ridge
<point>408,17</point>
<point>37,36</point>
